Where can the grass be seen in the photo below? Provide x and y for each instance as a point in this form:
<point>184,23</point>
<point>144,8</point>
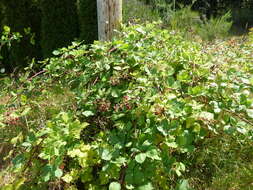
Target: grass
<point>135,11</point>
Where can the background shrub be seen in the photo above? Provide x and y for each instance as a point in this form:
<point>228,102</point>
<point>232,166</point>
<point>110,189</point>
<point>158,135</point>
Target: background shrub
<point>88,20</point>
<point>214,28</point>
<point>137,11</point>
<point>149,110</point>
<point>59,24</point>
<point>22,16</point>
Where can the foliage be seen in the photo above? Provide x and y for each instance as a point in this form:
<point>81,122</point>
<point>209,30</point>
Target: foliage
<point>6,41</point>
<point>22,16</point>
<point>136,11</point>
<point>183,19</point>
<point>242,19</point>
<point>59,24</point>
<point>189,22</point>
<point>144,106</point>
<point>88,21</point>
<point>251,36</point>
<point>215,27</point>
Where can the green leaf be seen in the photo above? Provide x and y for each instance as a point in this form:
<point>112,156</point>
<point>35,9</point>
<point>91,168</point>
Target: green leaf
<point>117,68</point>
<point>7,29</point>
<point>251,81</point>
<point>162,130</point>
<point>65,117</point>
<point>58,173</point>
<point>114,186</point>
<point>2,70</point>
<point>46,172</point>
<point>140,30</point>
<point>18,161</point>
<point>18,183</point>
<point>88,113</point>
<point>170,80</point>
<point>147,186</point>
<point>26,144</point>
<point>171,144</point>
<point>250,113</point>
<point>183,76</point>
<point>170,71</point>
<point>153,154</point>
<point>183,185</point>
<point>115,93</point>
<point>206,115</point>
<point>56,52</point>
<point>140,158</point>
<point>67,178</point>
<point>106,155</point>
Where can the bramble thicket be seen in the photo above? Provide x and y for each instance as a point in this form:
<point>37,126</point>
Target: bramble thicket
<point>163,106</point>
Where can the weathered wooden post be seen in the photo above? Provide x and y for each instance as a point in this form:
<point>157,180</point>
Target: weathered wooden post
<point>109,18</point>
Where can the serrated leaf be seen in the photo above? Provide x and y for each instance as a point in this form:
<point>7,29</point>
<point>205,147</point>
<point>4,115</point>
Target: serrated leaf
<point>140,158</point>
<point>114,186</point>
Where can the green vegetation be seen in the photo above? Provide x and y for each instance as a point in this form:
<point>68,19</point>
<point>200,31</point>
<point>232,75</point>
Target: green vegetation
<point>59,24</point>
<point>166,105</point>
<point>88,21</point>
<point>56,24</point>
<point>135,11</point>
<point>149,110</point>
<point>22,16</point>
<point>183,20</point>
<point>6,41</point>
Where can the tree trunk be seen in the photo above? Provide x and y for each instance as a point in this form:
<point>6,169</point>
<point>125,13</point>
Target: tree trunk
<point>109,18</point>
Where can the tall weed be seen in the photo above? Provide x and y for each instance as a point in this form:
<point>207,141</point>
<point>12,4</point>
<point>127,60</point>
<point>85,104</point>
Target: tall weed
<point>136,11</point>
<point>215,27</point>
<point>192,24</point>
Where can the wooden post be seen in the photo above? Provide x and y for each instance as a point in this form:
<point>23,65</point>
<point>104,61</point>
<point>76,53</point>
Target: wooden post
<point>109,18</point>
